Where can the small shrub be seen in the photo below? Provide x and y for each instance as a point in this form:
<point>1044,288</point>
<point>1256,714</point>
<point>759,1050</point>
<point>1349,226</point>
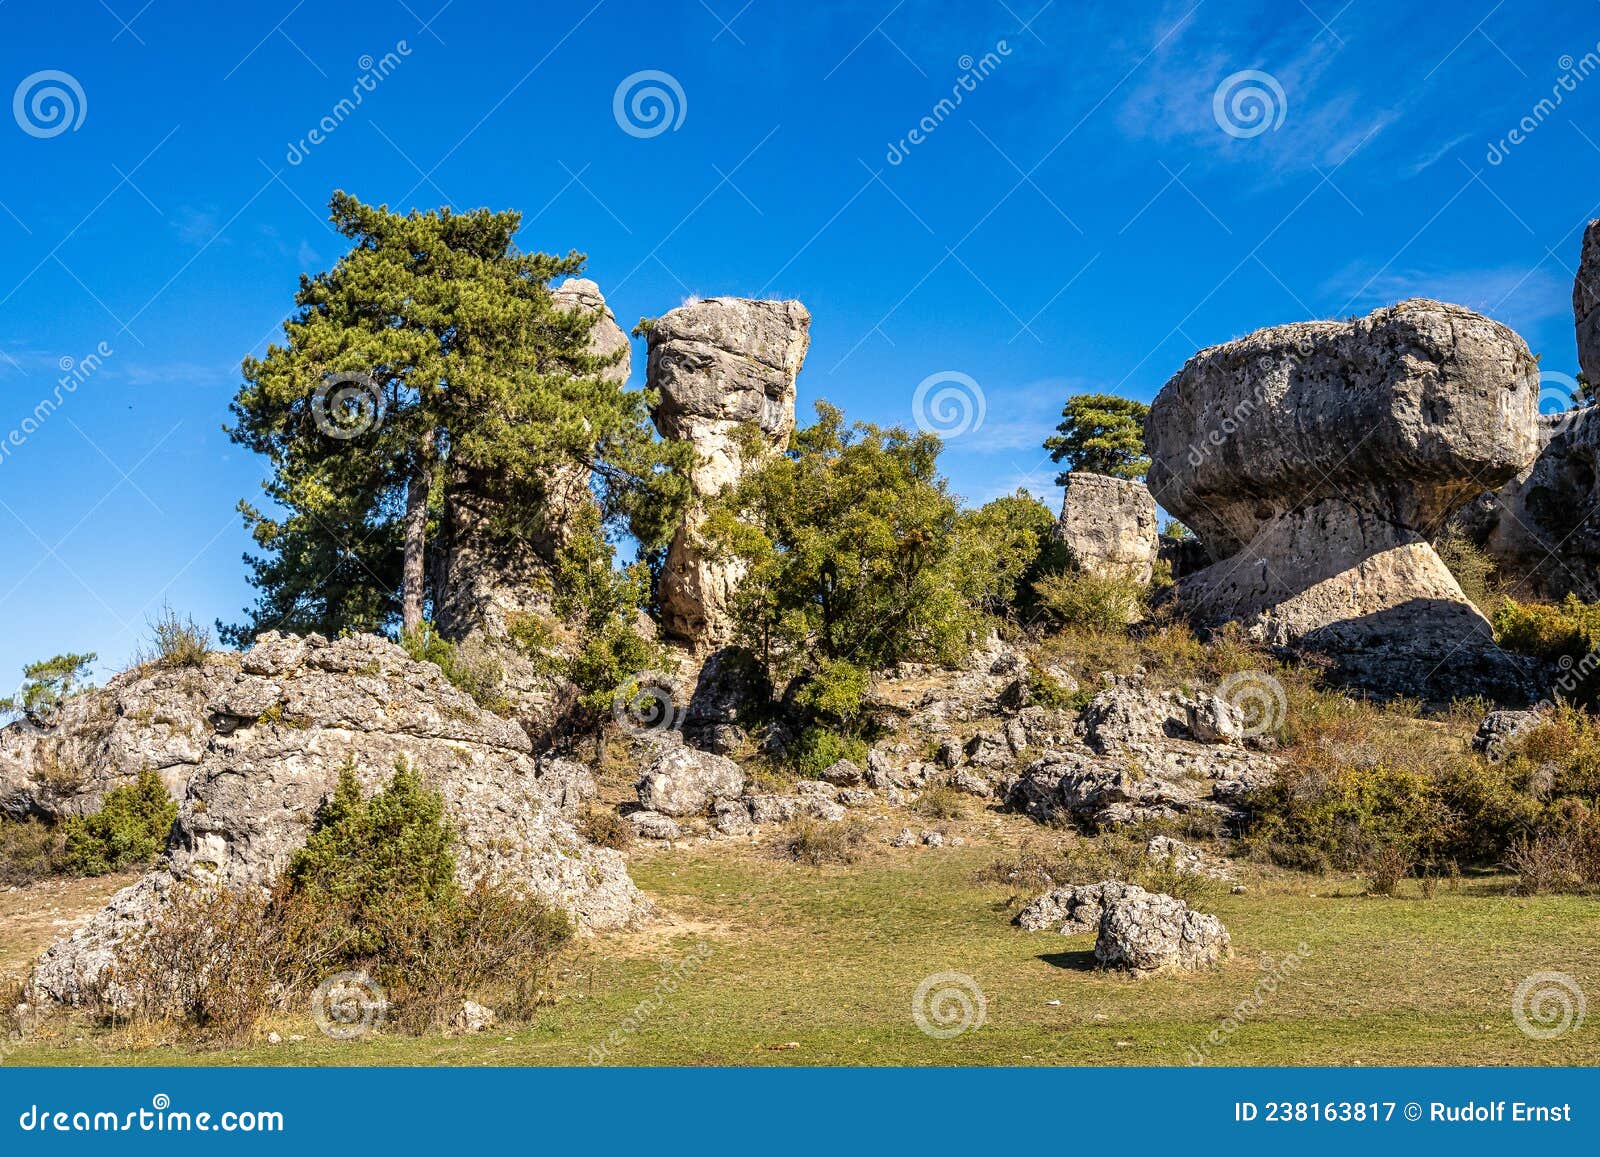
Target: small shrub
<point>1089,601</point>
<point>1386,864</point>
<point>1048,693</point>
<point>942,802</point>
<point>473,670</point>
<point>816,842</point>
<point>177,640</point>
<point>46,685</point>
<point>605,828</point>
<point>819,748</point>
<point>1472,568</point>
<point>131,827</point>
<point>30,850</point>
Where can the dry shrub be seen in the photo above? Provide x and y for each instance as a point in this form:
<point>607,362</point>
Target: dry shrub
<point>942,802</point>
<point>30,850</point>
<point>817,842</point>
<point>605,828</point>
<point>1562,856</point>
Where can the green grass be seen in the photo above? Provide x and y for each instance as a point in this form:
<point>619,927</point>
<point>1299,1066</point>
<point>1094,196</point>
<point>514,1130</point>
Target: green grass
<point>829,959</point>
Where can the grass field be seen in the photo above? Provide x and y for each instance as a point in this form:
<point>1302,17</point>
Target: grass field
<point>819,967</point>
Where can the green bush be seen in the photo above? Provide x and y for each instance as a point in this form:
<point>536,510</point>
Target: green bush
<point>1088,601</point>
<point>470,669</point>
<point>1567,634</point>
<point>819,748</point>
<point>1472,568</point>
<point>46,685</point>
<point>131,827</point>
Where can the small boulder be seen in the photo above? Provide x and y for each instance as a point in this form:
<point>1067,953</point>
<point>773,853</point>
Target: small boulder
<point>733,817</point>
<point>844,773</point>
<point>683,781</point>
<point>1148,932</point>
<point>904,838</point>
<point>1071,910</point>
<point>648,825</point>
<point>1500,729</point>
<point>474,1017</point>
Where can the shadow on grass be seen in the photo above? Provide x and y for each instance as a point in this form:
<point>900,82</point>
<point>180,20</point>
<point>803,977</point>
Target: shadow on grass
<point>1080,961</point>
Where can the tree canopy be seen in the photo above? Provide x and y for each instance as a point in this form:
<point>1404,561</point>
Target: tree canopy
<point>1101,434</point>
<point>432,347</point>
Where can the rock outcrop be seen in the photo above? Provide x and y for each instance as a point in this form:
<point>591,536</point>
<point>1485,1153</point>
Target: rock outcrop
<point>1586,303</point>
<point>719,365</point>
<point>682,781</point>
<point>1108,525</point>
<point>1136,757</point>
<point>1150,932</point>
<point>1316,460</point>
<point>264,736</point>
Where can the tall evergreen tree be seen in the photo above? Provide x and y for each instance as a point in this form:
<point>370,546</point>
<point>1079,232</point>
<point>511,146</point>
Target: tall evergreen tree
<point>432,344</point>
<point>1102,434</point>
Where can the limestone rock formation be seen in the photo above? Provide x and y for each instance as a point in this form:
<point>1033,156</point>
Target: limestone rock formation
<point>1070,910</point>
<point>1109,525</point>
<point>1316,460</point>
<point>1586,303</point>
<point>719,365</point>
<point>264,735</point>
<point>682,781</point>
<point>1150,932</point>
<point>482,576</point>
<point>1134,758</point>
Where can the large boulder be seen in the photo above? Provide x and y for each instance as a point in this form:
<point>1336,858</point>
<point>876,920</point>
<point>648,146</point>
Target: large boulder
<point>717,366</point>
<point>272,728</point>
<point>1316,460</point>
<point>683,781</point>
<point>1149,932</point>
<point>1108,526</point>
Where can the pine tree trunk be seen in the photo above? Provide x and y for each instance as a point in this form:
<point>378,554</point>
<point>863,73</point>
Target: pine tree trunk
<point>416,527</point>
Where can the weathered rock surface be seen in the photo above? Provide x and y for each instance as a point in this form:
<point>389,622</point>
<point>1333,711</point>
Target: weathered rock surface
<point>1109,526</point>
<point>1316,460</point>
<point>1149,932</point>
<point>1586,303</point>
<point>719,365</point>
<point>1499,730</point>
<point>1134,758</point>
<point>682,781</point>
<point>269,732</point>
<point>1070,910</point>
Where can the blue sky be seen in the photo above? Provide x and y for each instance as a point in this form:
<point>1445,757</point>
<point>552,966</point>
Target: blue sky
<point>1089,214</point>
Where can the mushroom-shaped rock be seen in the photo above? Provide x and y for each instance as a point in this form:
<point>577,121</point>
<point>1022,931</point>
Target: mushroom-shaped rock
<point>718,365</point>
<point>1317,460</point>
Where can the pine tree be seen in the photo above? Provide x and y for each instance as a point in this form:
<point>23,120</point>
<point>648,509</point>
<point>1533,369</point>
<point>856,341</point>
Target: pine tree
<point>1101,434</point>
<point>432,346</point>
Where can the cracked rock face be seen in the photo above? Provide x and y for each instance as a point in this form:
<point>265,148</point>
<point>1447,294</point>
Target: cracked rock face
<point>1109,525</point>
<point>718,365</point>
<point>1316,460</point>
<point>1149,932</point>
<point>1586,303</point>
<point>270,730</point>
